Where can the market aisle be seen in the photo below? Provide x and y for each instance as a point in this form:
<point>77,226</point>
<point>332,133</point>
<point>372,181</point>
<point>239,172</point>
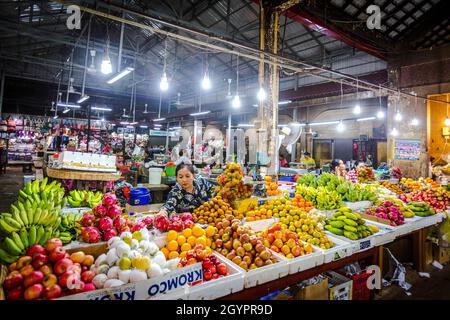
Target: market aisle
<point>10,184</point>
<point>437,287</point>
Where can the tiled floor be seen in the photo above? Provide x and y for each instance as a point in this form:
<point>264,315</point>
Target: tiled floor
<point>436,287</point>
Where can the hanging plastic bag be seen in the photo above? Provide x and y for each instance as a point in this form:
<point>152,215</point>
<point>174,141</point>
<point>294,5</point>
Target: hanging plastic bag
<point>444,232</point>
<point>396,274</point>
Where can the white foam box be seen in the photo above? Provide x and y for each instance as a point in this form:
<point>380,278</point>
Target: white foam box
<point>386,234</point>
<point>221,287</point>
<point>359,205</point>
<point>423,222</point>
<point>87,161</point>
<point>305,262</point>
<point>265,274</point>
<point>261,225</point>
<point>341,249</point>
<point>70,210</point>
<point>356,245</point>
<point>177,294</point>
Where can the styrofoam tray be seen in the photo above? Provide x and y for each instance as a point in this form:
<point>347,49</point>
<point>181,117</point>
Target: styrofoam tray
<point>386,234</point>
<point>341,249</point>
<point>397,230</point>
<point>261,225</point>
<point>221,287</point>
<point>178,294</point>
<point>359,205</point>
<point>70,210</point>
<point>267,273</point>
<point>305,262</point>
<point>428,221</point>
<point>356,245</point>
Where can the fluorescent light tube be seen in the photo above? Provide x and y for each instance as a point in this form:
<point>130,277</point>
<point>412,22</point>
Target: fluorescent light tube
<point>159,119</point>
<point>366,119</point>
<point>83,99</point>
<point>101,109</point>
<point>199,113</point>
<point>323,123</point>
<point>120,75</point>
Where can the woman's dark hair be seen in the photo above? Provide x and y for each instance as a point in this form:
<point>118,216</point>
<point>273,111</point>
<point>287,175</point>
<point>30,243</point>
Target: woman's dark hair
<point>183,166</point>
<point>307,154</point>
<point>334,164</point>
<point>180,153</point>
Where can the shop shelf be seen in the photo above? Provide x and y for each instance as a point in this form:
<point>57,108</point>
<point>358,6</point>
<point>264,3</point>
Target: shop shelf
<point>217,288</point>
<point>356,245</point>
<point>341,249</point>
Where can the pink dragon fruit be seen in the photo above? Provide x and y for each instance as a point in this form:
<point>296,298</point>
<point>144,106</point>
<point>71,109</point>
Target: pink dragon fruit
<point>100,211</point>
<point>109,199</point>
<point>138,226</point>
<point>176,225</point>
<point>91,235</point>
<point>109,234</point>
<point>161,223</point>
<point>186,216</point>
<point>114,211</point>
<point>87,220</point>
<point>105,224</point>
<point>120,223</point>
<point>148,222</point>
<point>188,224</point>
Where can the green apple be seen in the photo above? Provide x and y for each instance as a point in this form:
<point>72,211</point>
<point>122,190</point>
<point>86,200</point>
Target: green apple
<point>137,235</point>
<point>124,263</point>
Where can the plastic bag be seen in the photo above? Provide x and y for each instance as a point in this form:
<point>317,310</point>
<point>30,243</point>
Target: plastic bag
<point>352,269</point>
<point>396,274</point>
<point>311,281</point>
<point>444,232</point>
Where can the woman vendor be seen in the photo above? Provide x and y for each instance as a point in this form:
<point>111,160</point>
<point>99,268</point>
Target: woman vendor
<point>189,192</point>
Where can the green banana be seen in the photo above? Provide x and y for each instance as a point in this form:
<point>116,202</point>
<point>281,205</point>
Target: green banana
<point>336,224</point>
<point>13,222</point>
<point>44,183</point>
<point>35,186</point>
<point>6,215</point>
<point>6,257</point>
<point>352,216</point>
<point>37,216</point>
<point>28,188</point>
<point>350,228</point>
<point>40,234</point>
<point>24,217</point>
<point>18,241</point>
<point>12,247</point>
<point>24,237</point>
<point>23,194</point>
<point>14,209</point>
<point>63,202</point>
<point>351,235</point>
<point>6,228</point>
<point>350,222</point>
<point>32,235</point>
<point>30,216</point>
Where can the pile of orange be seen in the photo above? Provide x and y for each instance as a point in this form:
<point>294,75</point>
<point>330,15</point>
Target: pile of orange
<point>299,202</point>
<point>272,187</point>
<point>178,244</point>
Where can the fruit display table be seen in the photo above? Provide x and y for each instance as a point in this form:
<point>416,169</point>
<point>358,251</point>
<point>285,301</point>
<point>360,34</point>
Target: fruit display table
<point>27,165</point>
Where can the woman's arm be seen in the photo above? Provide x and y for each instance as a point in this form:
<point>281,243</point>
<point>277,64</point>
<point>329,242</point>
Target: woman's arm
<point>171,203</point>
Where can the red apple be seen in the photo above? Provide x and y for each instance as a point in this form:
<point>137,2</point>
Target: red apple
<point>46,269</point>
<point>89,287</point>
<point>52,292</point>
<point>39,260</point>
<point>53,243</point>
<point>49,280</point>
<point>33,292</point>
<point>88,276</point>
<point>13,281</point>
<point>77,287</point>
<point>84,268</point>
<point>57,254</point>
<point>62,265</point>
<point>27,270</point>
<point>67,277</point>
<point>15,294</point>
<point>24,261</point>
<point>35,249</point>
<point>34,278</point>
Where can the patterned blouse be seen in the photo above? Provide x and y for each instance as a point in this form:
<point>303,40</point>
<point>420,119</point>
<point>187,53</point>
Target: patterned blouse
<point>180,200</point>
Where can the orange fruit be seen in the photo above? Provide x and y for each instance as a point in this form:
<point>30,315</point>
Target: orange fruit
<point>183,254</point>
<point>172,235</point>
<point>173,255</point>
<point>172,245</point>
<point>210,231</point>
<point>166,252</point>
<point>197,231</point>
<point>201,240</point>
<point>187,233</point>
<point>191,241</point>
<point>285,249</point>
<point>185,247</point>
<point>208,242</point>
<point>181,240</point>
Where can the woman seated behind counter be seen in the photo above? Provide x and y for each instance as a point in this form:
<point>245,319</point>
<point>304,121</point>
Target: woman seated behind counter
<point>189,192</point>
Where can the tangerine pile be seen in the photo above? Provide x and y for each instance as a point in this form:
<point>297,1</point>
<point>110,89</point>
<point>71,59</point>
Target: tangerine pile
<point>270,208</point>
<point>214,211</point>
<point>272,187</point>
<point>230,184</point>
<point>284,242</point>
<point>178,244</point>
<point>301,203</point>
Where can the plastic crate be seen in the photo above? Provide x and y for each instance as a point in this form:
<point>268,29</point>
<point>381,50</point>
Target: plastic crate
<point>360,290</point>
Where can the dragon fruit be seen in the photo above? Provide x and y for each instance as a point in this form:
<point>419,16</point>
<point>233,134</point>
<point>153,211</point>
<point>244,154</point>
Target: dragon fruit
<point>109,234</point>
<point>109,199</point>
<point>138,226</point>
<point>176,224</point>
<point>161,223</point>
<point>120,223</point>
<point>105,224</point>
<point>114,211</point>
<point>188,224</point>
<point>148,222</point>
<point>87,220</point>
<point>91,235</point>
<point>100,211</point>
<point>186,216</point>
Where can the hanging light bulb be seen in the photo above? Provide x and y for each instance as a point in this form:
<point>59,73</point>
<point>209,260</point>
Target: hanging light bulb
<point>380,114</point>
<point>106,66</point>
<point>262,94</point>
<point>340,127</point>
<point>447,122</point>
<point>394,132</point>
<point>357,109</point>
<point>398,116</point>
<point>236,103</point>
<point>415,122</point>
<point>164,84</point>
<point>206,83</point>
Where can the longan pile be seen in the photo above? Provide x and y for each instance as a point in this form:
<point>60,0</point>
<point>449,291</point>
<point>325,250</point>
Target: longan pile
<point>214,211</point>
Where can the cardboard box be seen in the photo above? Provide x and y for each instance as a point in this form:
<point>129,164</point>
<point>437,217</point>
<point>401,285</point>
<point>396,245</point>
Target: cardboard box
<point>148,208</point>
<point>441,255</point>
<point>318,291</point>
<point>340,287</point>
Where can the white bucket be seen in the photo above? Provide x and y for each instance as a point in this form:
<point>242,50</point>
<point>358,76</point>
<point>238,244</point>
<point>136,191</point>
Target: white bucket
<point>154,175</point>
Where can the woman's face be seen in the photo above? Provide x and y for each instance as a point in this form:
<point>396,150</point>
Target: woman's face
<point>341,165</point>
<point>185,178</point>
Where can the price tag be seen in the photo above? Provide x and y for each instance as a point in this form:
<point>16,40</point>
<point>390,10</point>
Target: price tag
<point>364,244</point>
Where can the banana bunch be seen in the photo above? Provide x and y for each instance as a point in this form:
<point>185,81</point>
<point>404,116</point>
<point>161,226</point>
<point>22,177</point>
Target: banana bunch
<point>37,191</point>
<point>307,193</point>
<point>84,198</point>
<point>67,230</point>
<point>327,200</point>
<point>349,224</point>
